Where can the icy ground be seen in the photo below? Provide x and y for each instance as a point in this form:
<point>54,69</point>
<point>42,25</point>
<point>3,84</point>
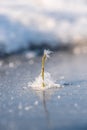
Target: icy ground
<point>23,22</point>
<point>25,108</point>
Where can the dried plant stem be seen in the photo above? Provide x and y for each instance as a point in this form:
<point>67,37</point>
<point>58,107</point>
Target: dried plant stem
<point>42,70</point>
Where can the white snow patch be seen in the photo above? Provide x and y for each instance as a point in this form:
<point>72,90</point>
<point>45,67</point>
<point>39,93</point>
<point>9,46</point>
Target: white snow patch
<point>49,82</point>
<point>76,105</point>
<point>50,21</point>
<point>58,96</point>
<point>11,65</point>
<point>27,108</point>
<point>36,103</point>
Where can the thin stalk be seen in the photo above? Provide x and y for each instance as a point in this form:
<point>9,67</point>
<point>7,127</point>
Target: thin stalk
<point>42,69</point>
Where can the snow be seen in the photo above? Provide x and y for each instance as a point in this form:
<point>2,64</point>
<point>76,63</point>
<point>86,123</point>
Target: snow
<point>49,83</point>
<point>23,22</point>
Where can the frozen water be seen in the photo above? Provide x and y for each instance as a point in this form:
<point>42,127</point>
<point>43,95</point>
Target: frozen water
<point>22,107</point>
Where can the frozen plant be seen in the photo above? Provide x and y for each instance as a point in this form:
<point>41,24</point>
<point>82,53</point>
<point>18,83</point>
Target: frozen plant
<point>44,80</point>
<point>45,56</point>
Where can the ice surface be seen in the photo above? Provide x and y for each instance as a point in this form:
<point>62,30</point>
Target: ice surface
<point>23,22</point>
<point>22,108</point>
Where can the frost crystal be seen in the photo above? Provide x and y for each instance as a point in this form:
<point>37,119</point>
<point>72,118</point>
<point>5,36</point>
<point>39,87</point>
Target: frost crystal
<point>49,83</point>
<point>47,53</point>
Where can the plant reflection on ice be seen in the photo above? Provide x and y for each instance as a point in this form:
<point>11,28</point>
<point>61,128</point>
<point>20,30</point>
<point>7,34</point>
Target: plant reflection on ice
<point>45,96</point>
<point>46,110</point>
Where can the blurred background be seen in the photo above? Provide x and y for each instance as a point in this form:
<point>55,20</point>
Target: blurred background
<point>39,24</point>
